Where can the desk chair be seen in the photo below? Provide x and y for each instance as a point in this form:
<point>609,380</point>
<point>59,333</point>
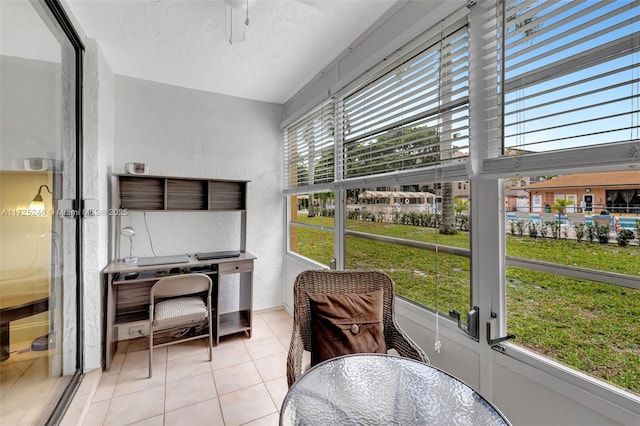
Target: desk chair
<point>344,282</point>
<point>177,304</point>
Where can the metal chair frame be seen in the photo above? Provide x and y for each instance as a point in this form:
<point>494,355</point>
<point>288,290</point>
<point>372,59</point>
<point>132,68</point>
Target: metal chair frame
<point>177,287</point>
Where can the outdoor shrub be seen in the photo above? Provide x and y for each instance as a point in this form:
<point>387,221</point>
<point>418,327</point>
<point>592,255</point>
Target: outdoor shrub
<point>591,233</point>
<point>353,214</point>
<point>624,236</point>
<point>520,227</point>
<point>396,217</point>
<point>327,212</point>
<point>580,231</point>
<point>369,216</point>
<point>462,222</point>
<point>555,230</point>
<point>512,226</point>
<point>533,230</point>
<point>544,230</point>
<point>603,234</point>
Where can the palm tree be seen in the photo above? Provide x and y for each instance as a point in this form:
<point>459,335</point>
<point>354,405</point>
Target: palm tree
<point>562,204</point>
<point>448,223</point>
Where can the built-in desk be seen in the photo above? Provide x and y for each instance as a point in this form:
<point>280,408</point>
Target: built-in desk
<point>127,300</point>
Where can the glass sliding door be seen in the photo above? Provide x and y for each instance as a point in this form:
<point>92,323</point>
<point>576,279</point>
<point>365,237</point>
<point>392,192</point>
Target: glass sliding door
<point>39,222</point>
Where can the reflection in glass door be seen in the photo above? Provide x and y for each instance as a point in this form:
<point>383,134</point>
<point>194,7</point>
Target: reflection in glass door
<point>39,230</point>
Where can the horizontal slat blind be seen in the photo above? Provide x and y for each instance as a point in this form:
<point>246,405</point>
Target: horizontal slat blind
<point>309,149</point>
<point>413,115</point>
<point>571,74</point>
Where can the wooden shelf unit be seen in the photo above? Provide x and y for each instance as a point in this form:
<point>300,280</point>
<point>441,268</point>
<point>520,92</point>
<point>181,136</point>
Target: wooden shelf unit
<point>143,192</point>
<point>128,299</point>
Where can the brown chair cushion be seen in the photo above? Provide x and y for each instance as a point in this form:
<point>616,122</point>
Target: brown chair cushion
<point>343,324</point>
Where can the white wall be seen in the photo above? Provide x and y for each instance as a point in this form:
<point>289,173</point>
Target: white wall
<point>98,137</point>
<point>191,133</point>
<point>29,129</point>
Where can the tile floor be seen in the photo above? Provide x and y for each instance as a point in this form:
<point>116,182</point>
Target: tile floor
<point>245,383</point>
<point>27,387</point>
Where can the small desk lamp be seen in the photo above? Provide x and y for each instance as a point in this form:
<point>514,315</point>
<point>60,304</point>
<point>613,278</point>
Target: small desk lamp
<point>129,232</point>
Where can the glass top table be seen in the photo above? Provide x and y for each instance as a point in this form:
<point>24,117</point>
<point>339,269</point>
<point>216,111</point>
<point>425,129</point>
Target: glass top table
<point>379,389</point>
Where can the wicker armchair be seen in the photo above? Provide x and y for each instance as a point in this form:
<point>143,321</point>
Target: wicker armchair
<point>343,282</point>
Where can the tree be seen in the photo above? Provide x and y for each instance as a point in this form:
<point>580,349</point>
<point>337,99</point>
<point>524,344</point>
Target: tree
<point>561,204</point>
<point>395,150</point>
<point>448,222</point>
<point>460,205</point>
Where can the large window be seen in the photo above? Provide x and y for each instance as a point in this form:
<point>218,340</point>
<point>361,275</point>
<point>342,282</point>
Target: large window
<point>570,73</point>
<point>568,82</point>
<point>398,230</point>
<point>541,91</point>
<point>309,149</point>
<point>571,282</point>
<point>311,226</point>
<point>414,114</point>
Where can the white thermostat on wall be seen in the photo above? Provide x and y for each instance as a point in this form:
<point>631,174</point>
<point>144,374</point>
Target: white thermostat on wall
<point>136,168</point>
<point>36,164</point>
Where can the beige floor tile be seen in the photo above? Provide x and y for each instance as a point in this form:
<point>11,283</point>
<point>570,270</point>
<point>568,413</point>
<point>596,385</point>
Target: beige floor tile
<point>276,315</point>
<point>282,330</point>
<point>26,387</point>
<point>153,421</point>
<point>105,388</point>
<point>189,391</point>
<point>272,366</point>
<point>140,359</point>
<point>278,389</point>
<point>139,344</point>
<point>12,414</point>
<point>264,347</point>
<point>34,412</point>
<point>136,406</point>
<point>122,347</point>
<point>236,377</point>
<point>97,413</point>
<point>181,368</point>
<point>229,354</point>
<point>246,405</point>
<point>39,368</point>
<point>10,373</point>
<point>270,420</point>
<point>138,380</point>
<point>205,413</point>
<point>261,332</point>
<point>190,348</point>
<point>258,319</point>
<point>116,363</point>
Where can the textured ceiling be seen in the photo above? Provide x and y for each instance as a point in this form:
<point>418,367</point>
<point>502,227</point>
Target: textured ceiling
<point>182,42</point>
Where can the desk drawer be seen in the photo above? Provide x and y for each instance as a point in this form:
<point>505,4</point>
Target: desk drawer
<point>236,267</point>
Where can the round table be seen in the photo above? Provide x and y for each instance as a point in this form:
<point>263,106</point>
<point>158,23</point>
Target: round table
<point>379,389</point>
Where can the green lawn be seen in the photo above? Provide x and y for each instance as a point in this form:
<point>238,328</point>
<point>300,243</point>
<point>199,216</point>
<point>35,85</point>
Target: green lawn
<point>590,326</point>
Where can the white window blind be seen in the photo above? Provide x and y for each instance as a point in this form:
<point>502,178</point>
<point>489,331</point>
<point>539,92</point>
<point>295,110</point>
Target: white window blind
<point>413,115</point>
<point>570,73</point>
<point>309,150</point>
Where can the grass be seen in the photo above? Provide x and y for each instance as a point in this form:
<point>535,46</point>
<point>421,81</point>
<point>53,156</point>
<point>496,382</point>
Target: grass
<point>590,326</point>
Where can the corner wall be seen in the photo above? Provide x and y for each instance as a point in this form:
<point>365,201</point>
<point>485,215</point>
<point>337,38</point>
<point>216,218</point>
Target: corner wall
<point>192,133</point>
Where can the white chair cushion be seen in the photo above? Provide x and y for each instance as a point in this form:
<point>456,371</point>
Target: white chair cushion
<point>181,310</point>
